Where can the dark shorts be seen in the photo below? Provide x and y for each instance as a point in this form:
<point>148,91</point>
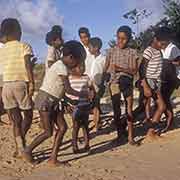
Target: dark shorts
<point>81,114</point>
<point>46,102</point>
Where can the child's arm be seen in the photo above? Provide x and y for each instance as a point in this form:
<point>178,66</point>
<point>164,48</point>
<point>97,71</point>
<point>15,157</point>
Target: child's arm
<point>69,89</point>
<point>29,69</point>
<point>176,61</point>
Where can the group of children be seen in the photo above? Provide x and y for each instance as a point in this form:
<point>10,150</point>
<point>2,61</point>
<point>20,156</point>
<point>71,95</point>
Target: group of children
<point>75,78</point>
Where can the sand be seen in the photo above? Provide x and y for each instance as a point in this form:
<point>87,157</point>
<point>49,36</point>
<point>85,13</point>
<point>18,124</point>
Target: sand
<point>153,160</point>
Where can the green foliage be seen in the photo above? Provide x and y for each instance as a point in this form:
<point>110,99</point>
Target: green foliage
<point>171,19</point>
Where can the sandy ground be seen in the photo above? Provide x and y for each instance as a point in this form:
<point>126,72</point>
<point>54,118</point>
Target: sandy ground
<point>153,160</point>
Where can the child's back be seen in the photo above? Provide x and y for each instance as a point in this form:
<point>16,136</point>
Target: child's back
<point>12,55</point>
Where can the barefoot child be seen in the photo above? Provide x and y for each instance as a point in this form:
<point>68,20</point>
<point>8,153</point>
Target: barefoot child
<point>55,42</point>
<point>171,56</point>
<point>80,116</point>
<point>122,63</point>
<point>96,75</point>
<point>18,80</point>
<point>151,82</point>
<point>51,92</point>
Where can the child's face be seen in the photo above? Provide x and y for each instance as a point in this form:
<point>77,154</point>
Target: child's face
<point>69,61</point>
<point>164,44</point>
<point>76,71</point>
<point>57,43</point>
<point>93,50</point>
<point>122,40</point>
<point>84,39</point>
<point>157,44</point>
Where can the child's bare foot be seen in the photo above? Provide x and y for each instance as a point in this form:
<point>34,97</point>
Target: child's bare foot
<point>76,150</point>
<point>27,156</point>
<point>56,163</point>
<point>134,143</point>
<point>87,148</point>
<point>152,134</point>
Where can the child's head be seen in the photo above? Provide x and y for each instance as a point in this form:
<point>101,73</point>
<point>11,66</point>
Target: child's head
<point>95,44</point>
<point>78,70</point>
<point>163,36</point>
<point>11,29</point>
<point>74,54</point>
<point>84,35</point>
<point>54,37</point>
<point>124,34</point>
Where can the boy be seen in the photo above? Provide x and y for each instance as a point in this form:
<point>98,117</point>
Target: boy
<point>51,92</point>
<point>122,64</point>
<point>96,73</point>
<point>55,42</point>
<point>151,82</point>
<point>2,42</point>
<point>171,56</point>
<point>85,36</point>
<point>80,116</point>
<point>18,80</point>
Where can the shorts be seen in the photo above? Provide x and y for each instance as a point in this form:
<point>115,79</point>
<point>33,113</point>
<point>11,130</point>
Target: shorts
<point>1,81</point>
<point>125,86</point>
<point>81,114</point>
<point>46,102</point>
<point>154,84</point>
<point>15,94</point>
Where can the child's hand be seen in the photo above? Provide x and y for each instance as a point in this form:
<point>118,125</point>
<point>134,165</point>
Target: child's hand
<point>31,89</point>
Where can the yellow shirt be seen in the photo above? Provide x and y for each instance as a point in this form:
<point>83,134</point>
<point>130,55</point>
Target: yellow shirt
<point>12,57</point>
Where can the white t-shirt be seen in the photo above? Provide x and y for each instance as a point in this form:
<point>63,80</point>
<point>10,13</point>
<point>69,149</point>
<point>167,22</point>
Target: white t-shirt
<point>53,55</point>
<point>172,52</point>
<point>97,68</point>
<point>53,83</point>
<point>1,65</point>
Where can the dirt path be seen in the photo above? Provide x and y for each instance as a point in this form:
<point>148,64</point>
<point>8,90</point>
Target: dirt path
<point>157,160</point>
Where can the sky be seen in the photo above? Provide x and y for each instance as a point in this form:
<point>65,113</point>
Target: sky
<point>102,17</point>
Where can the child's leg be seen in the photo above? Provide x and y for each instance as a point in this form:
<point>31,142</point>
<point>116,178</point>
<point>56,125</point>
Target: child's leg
<point>76,127</point>
<point>129,101</point>
<point>147,103</point>
<point>160,108</point>
<point>116,103</point>
<point>26,123</point>
<point>86,135</point>
<point>48,131</point>
<point>61,130</point>
<point>96,117</point>
<point>16,117</point>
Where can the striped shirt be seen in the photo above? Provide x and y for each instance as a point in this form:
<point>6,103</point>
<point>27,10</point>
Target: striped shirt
<point>154,66</point>
<point>12,56</point>
<point>80,84</point>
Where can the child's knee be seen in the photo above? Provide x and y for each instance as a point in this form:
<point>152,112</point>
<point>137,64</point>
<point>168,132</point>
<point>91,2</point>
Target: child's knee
<point>63,128</point>
<point>48,133</point>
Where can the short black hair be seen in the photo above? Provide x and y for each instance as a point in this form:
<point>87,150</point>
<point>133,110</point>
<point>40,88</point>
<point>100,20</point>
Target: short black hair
<point>84,30</point>
<point>96,42</point>
<point>10,26</point>
<point>57,29</point>
<point>127,30</point>
<point>55,33</point>
<point>163,34</point>
<point>75,49</point>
